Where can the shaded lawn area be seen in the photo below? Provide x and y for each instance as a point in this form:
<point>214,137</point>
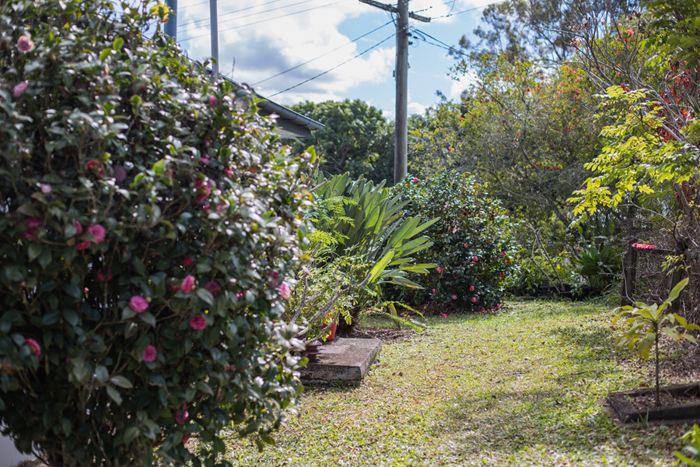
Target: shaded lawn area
<point>518,388</point>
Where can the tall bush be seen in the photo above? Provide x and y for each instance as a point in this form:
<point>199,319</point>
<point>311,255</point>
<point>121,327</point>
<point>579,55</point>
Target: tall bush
<point>471,244</point>
<point>149,218</point>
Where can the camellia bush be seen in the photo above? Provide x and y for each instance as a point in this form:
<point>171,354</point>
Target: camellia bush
<point>471,246</point>
<point>148,221</point>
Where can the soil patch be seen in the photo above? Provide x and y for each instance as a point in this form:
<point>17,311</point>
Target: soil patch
<point>383,334</point>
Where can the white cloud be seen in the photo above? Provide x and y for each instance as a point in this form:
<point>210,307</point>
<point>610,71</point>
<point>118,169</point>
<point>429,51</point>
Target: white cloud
<point>263,50</point>
<point>459,85</point>
<point>416,108</point>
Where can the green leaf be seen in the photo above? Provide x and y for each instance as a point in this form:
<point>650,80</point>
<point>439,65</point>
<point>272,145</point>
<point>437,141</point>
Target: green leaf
<point>101,374</point>
<point>130,433</point>
<point>34,251</point>
<point>114,395</point>
<point>379,267</point>
<point>121,381</point>
<point>204,387</point>
<point>677,290</point>
<point>205,296</point>
<point>159,167</point>
<point>104,54</point>
<point>147,318</point>
<point>118,43</point>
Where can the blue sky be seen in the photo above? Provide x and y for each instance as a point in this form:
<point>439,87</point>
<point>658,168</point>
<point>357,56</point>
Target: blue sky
<point>306,29</point>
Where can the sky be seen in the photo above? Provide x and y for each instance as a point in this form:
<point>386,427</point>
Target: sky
<point>260,38</point>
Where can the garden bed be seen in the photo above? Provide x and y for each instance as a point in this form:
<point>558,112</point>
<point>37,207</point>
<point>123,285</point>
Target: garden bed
<point>679,404</point>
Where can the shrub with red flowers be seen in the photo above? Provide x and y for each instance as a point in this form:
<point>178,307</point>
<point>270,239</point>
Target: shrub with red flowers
<point>471,246</point>
<point>144,207</point>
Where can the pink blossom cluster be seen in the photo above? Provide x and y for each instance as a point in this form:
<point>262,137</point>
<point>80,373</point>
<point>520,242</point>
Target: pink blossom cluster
<point>642,246</point>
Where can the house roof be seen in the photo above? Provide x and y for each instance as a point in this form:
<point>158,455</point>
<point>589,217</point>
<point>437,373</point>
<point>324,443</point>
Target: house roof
<point>290,124</point>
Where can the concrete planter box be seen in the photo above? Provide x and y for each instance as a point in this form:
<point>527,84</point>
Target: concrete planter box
<point>667,415</point>
<point>342,360</point>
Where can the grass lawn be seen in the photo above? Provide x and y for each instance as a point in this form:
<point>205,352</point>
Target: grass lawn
<point>521,387</point>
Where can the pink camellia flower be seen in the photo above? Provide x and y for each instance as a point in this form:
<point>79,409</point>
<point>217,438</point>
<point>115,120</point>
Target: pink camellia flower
<point>138,304</point>
<point>149,354</point>
<point>46,188</point>
<point>187,262</point>
<point>204,159</point>
<point>473,299</point>
<point>228,171</point>
<point>503,253</point>
<point>433,291</point>
<point>444,315</point>
<point>508,263</point>
<point>78,228</point>
<point>274,275</point>
<point>439,270</point>
<point>19,89</point>
<point>415,180</point>
<point>25,44</point>
<point>471,289</point>
<point>630,32</point>
<point>285,291</point>
<point>36,349</point>
<point>239,295</point>
<point>198,322</point>
<point>502,274</point>
<point>101,276</point>
<point>498,306</point>
<point>34,222</point>
<point>207,191</point>
<point>212,101</point>
<point>98,232</point>
<point>205,208</point>
<point>82,246</point>
<point>466,245</point>
<point>213,288</point>
<point>454,297</point>
<point>187,284</point>
<point>475,258</point>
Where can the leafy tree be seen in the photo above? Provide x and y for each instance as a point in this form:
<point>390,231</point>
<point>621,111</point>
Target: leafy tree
<point>538,29</point>
<point>356,139</point>
<point>149,219</point>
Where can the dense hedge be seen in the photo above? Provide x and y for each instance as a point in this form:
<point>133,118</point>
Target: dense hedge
<point>149,218</point>
<point>471,244</point>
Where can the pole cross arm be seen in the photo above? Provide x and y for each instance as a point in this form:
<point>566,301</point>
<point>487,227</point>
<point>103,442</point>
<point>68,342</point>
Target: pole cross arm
<point>392,9</point>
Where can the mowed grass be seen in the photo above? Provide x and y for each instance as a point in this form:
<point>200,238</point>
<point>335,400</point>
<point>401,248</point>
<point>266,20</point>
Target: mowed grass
<point>522,387</point>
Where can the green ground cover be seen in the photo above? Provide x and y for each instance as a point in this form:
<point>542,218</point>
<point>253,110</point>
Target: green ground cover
<point>521,387</point>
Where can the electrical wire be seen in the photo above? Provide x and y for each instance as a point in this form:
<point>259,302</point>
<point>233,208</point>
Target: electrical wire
<point>196,4</point>
<point>331,69</point>
<point>465,11</point>
<point>442,45</point>
<point>330,51</point>
<point>244,16</point>
<point>264,20</point>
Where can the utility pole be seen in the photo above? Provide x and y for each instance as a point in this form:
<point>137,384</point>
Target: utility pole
<point>401,77</point>
<point>171,25</point>
<point>214,21</point>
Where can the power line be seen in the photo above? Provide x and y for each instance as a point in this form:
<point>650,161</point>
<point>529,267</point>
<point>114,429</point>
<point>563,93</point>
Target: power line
<point>440,44</point>
<point>265,20</point>
<point>245,16</point>
<point>196,4</point>
<point>330,51</point>
<point>335,67</point>
<point>465,11</point>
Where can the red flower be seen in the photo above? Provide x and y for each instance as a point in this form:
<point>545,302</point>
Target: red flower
<point>187,262</point>
<point>204,159</point>
<point>173,288</point>
<point>475,258</point>
<point>502,274</point>
<point>212,287</point>
<point>415,180</point>
<point>473,299</point>
<point>471,289</point>
<point>81,246</point>
<point>96,168</point>
<point>36,349</point>
<point>149,354</point>
<point>454,297</point>
<point>198,322</point>
<point>101,277</point>
<point>78,228</point>
<point>34,222</point>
